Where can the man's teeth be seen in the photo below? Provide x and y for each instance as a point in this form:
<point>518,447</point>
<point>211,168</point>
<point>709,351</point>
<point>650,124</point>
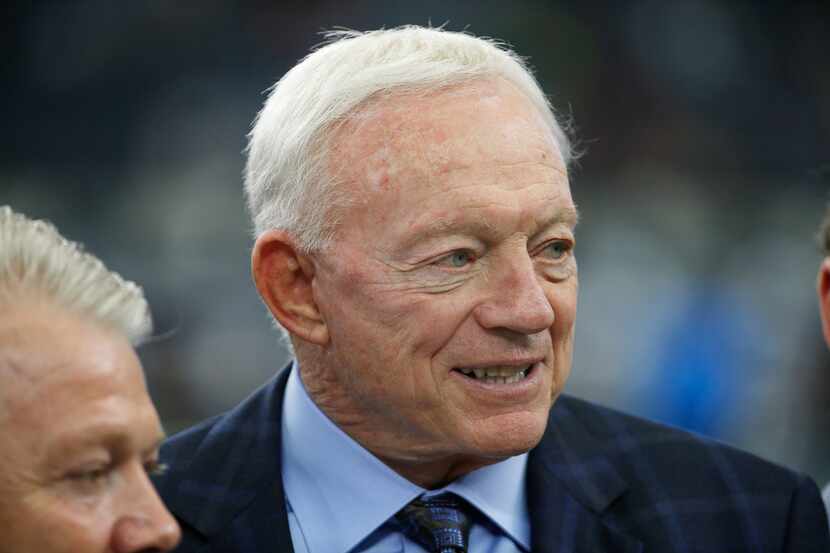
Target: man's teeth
<point>497,375</point>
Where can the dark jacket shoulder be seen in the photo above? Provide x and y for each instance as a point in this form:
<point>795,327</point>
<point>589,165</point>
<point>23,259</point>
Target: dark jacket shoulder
<point>680,489</point>
<point>673,456</point>
<point>223,480</point>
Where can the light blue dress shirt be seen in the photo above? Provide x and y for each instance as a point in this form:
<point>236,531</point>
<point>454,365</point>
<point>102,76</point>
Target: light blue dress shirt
<point>340,497</point>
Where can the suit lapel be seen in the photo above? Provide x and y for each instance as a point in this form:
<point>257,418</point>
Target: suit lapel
<point>570,483</point>
<point>233,485</point>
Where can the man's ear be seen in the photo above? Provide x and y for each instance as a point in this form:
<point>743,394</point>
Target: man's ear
<point>823,288</point>
<point>284,277</point>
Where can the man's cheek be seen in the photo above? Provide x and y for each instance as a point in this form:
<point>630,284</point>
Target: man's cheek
<point>563,300</point>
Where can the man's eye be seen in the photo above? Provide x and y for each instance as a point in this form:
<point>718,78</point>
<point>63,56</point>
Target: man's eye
<point>90,475</point>
<point>91,478</point>
<point>556,249</point>
<point>457,259</point>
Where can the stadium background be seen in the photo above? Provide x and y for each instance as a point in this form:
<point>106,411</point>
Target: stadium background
<point>706,130</point>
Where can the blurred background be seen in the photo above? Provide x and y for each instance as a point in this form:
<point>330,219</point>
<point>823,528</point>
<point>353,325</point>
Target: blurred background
<point>706,132</point>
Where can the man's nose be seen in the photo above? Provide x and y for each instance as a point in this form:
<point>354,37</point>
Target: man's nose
<point>146,525</point>
<point>516,300</point>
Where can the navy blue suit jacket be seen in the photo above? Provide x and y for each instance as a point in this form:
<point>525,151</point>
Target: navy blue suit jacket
<point>599,481</point>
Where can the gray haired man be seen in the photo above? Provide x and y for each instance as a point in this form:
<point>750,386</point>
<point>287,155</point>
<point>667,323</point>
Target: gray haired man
<point>416,241</point>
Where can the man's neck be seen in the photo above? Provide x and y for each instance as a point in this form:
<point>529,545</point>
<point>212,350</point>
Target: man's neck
<point>415,460</point>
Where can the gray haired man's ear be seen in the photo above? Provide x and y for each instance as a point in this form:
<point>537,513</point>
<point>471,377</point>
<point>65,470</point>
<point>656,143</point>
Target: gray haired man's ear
<point>284,277</point>
<point>823,289</point>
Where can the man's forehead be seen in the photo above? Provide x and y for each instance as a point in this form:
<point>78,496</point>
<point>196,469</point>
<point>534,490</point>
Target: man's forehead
<point>18,341</point>
<point>411,113</point>
<point>18,376</point>
<point>25,363</point>
<point>400,136</point>
<point>40,342</point>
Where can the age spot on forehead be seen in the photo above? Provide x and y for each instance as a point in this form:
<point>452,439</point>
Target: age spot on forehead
<point>378,168</point>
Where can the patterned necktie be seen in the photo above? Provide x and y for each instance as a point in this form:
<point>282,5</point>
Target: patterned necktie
<point>437,523</point>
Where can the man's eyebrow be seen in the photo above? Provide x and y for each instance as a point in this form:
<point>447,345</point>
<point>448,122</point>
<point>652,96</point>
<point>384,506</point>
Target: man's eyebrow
<point>566,215</point>
<point>436,227</point>
<point>111,435</point>
<point>443,224</point>
<point>439,226</point>
<point>115,435</point>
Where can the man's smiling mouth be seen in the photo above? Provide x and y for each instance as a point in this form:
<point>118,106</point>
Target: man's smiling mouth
<point>497,374</point>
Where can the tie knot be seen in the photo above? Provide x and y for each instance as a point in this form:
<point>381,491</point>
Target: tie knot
<point>438,523</point>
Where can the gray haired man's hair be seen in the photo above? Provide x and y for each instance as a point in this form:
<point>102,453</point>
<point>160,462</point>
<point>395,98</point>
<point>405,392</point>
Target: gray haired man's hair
<point>286,182</point>
<point>36,261</point>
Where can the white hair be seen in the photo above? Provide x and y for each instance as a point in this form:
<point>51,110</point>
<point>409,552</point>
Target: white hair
<point>36,260</point>
<point>286,182</point>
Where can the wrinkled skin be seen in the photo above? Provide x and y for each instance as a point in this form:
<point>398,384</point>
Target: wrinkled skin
<point>78,435</point>
<point>457,252</point>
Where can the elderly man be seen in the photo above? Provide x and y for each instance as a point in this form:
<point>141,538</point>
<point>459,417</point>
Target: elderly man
<point>415,238</point>
<point>78,433</point>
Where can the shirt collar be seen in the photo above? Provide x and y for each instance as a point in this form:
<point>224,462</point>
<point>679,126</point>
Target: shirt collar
<point>498,491</point>
<point>326,473</point>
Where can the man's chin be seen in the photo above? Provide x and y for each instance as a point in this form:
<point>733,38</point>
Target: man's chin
<point>511,435</point>
<point>490,454</point>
